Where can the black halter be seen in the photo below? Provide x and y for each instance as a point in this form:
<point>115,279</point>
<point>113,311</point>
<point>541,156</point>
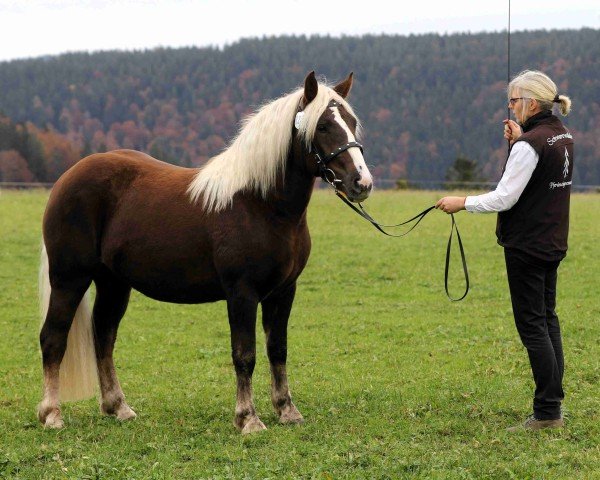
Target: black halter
<point>323,160</point>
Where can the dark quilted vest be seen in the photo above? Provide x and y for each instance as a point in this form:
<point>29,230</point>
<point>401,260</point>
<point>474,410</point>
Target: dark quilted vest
<point>538,223</point>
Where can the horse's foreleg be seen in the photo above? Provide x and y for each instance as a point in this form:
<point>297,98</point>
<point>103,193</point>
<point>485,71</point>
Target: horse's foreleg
<point>242,321</point>
<point>276,311</point>
<point>112,297</point>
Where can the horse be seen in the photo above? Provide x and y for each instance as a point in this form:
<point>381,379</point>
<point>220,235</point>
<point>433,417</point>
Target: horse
<point>234,229</point>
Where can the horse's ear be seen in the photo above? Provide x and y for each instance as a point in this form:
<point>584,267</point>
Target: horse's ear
<point>343,88</point>
<point>311,88</point>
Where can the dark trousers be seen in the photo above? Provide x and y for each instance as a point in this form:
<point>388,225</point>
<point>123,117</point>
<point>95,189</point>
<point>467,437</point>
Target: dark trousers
<point>532,285</point>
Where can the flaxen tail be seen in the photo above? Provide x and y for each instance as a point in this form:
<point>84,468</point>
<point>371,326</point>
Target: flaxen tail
<point>78,370</point>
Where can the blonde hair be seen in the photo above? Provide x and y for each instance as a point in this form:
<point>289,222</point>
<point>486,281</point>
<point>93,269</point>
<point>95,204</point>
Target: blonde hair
<point>535,84</point>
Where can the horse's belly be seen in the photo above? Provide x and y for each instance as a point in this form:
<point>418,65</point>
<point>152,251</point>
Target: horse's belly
<point>181,294</point>
<point>169,277</point>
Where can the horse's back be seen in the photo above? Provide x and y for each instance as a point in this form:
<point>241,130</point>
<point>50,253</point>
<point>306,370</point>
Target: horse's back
<point>112,170</point>
<point>97,182</point>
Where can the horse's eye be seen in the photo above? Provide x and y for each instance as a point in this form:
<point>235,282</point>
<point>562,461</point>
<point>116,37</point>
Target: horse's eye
<point>321,128</point>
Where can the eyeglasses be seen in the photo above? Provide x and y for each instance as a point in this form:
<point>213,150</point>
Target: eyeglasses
<point>512,101</point>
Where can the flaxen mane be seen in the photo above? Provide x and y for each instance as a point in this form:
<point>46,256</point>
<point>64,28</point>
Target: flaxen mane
<point>265,138</point>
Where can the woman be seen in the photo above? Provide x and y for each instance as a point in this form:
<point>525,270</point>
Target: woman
<point>532,201</point>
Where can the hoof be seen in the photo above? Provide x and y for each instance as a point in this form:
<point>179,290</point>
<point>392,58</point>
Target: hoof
<point>121,411</point>
<point>253,425</point>
<point>126,413</point>
<point>54,420</point>
<point>51,419</point>
<point>291,415</point>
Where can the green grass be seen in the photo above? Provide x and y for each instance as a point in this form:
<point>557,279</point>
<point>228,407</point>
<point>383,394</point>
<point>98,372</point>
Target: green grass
<point>394,380</point>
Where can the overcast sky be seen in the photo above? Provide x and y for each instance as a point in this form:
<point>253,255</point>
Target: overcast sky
<point>31,28</point>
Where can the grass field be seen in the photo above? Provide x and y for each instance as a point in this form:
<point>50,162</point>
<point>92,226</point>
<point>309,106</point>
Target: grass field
<point>393,379</point>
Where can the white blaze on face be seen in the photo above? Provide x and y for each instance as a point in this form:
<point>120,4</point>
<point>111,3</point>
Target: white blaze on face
<point>366,180</point>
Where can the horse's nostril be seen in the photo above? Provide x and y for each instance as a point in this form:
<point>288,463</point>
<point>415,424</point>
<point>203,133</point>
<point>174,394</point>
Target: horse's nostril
<point>361,187</point>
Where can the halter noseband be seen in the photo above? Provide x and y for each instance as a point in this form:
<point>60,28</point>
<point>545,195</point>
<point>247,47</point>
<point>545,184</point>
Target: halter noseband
<point>323,160</point>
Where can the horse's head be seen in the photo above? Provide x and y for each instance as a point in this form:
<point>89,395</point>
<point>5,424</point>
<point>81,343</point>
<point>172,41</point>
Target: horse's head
<point>330,128</point>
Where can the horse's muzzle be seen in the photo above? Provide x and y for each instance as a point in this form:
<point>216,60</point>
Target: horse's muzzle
<point>359,190</point>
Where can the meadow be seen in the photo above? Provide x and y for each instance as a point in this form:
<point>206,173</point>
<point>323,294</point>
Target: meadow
<point>393,379</point>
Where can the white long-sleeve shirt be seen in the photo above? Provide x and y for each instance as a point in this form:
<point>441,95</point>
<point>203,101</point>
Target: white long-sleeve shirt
<point>520,166</point>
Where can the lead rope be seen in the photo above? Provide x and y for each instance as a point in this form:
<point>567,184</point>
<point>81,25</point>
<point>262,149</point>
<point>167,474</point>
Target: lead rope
<point>454,227</point>
<point>363,213</point>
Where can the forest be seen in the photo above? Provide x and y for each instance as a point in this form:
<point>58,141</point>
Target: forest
<point>423,100</point>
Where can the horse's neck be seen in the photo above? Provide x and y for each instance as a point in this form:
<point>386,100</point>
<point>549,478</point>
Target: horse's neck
<point>293,193</point>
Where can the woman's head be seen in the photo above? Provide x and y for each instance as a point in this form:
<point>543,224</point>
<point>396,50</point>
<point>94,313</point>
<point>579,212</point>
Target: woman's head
<point>532,91</point>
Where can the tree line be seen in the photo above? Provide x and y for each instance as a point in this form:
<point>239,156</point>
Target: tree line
<point>424,100</point>
<point>31,154</point>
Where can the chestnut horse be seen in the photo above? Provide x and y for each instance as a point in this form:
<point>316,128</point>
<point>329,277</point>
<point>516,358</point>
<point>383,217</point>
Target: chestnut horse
<point>232,230</point>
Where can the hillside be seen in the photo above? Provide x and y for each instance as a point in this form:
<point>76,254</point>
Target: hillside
<point>423,100</point>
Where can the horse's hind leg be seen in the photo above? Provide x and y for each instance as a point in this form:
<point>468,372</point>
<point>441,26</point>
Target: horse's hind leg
<point>242,320</point>
<point>276,311</point>
<point>112,297</point>
<point>65,298</point>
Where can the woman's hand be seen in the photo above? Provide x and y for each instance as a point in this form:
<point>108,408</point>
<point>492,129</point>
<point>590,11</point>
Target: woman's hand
<point>451,204</point>
<point>512,131</point>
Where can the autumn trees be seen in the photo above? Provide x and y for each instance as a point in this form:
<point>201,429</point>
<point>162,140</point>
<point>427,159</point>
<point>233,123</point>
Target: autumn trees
<point>29,154</point>
<point>424,100</point>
